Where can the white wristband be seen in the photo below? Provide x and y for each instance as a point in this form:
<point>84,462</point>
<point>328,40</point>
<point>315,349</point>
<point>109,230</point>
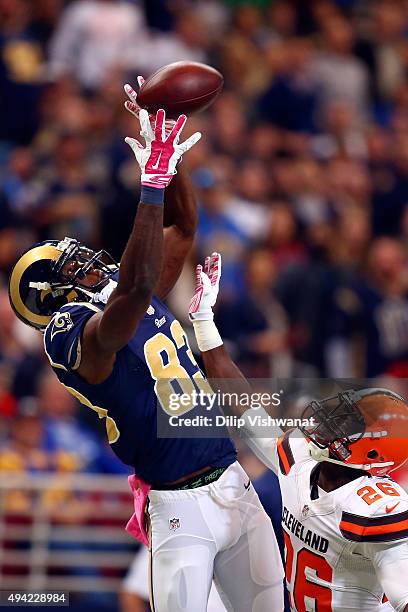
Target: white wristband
<point>207,335</point>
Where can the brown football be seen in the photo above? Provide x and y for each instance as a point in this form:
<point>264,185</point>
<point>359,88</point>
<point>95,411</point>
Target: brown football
<point>181,87</point>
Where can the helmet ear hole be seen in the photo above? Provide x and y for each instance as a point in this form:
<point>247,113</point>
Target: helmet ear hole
<point>372,454</point>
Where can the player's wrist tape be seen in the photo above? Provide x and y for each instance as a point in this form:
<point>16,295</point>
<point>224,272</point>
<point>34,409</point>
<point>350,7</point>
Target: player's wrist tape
<point>152,195</point>
<point>207,335</point>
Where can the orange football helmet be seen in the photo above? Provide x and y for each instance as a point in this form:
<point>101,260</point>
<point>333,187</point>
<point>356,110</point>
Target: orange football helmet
<point>364,429</point>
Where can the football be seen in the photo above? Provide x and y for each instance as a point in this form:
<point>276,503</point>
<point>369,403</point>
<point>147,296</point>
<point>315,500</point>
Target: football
<point>181,87</point>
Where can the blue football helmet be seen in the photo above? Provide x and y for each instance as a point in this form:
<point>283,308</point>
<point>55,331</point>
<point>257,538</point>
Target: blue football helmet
<point>51,274</point>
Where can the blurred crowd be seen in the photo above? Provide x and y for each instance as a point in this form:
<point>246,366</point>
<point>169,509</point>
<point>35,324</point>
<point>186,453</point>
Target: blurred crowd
<point>301,178</point>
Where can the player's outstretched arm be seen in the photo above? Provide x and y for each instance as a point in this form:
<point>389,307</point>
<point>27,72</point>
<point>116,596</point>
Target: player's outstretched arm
<point>223,373</point>
<point>106,333</point>
<point>180,221</point>
<point>180,213</point>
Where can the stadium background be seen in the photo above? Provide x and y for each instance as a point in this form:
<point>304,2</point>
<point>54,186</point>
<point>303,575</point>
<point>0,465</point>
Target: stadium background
<point>302,183</point>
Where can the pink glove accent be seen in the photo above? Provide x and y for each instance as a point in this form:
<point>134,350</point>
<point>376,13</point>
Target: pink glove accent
<point>162,151</point>
<point>212,268</point>
<point>136,523</point>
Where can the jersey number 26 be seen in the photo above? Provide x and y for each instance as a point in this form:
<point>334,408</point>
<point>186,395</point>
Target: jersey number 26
<point>301,566</point>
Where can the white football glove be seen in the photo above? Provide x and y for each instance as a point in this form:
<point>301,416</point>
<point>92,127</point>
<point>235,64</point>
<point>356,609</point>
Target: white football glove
<point>206,289</point>
<point>158,159</point>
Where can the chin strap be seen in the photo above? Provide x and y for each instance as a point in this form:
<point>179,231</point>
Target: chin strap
<point>104,295</point>
<point>58,291</point>
<point>39,286</point>
<point>322,454</point>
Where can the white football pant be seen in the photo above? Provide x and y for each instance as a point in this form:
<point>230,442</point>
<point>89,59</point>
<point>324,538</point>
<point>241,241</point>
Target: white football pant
<point>220,530</point>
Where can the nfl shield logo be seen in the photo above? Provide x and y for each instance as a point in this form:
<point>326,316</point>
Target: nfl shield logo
<point>174,524</point>
<point>305,511</point>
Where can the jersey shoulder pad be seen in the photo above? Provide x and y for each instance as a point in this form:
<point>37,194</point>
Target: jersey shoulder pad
<point>377,511</point>
<point>62,337</point>
<point>292,448</point>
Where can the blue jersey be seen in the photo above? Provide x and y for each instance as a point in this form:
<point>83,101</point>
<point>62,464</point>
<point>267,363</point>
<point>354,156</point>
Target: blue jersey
<point>144,373</point>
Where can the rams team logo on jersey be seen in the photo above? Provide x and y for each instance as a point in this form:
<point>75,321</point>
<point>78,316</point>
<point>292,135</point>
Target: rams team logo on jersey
<point>61,323</point>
